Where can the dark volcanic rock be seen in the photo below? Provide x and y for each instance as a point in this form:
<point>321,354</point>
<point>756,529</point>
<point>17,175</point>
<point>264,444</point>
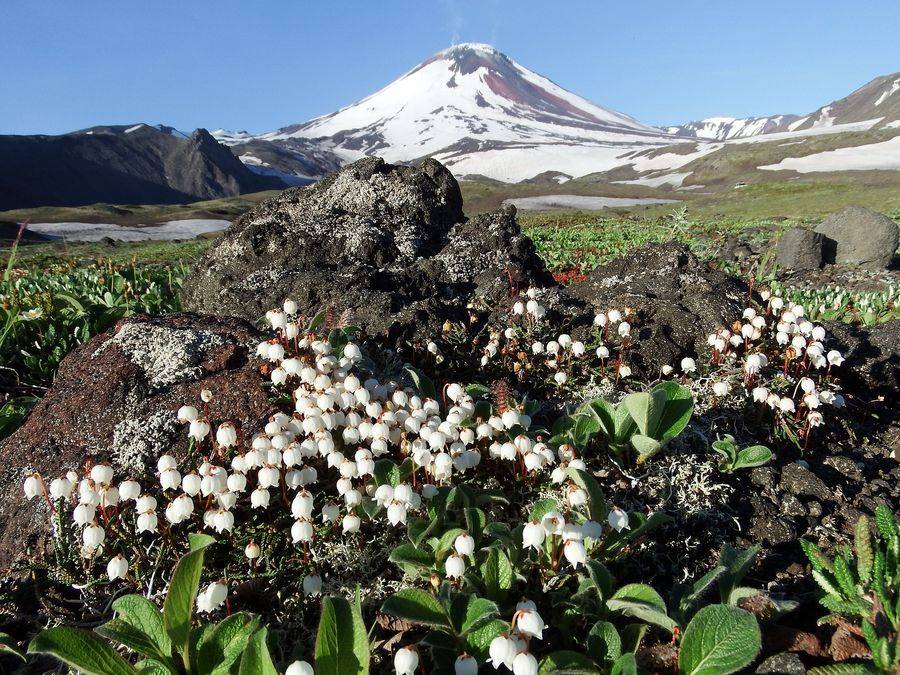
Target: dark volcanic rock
<point>388,244</point>
<point>799,249</point>
<point>872,356</point>
<point>796,479</point>
<point>678,300</point>
<point>115,399</point>
<point>859,236</point>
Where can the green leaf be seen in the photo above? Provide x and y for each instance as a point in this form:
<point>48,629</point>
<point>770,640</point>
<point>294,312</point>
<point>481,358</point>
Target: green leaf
<point>632,636</point>
<point>604,644</point>
<point>598,508</point>
<point>478,641</point>
<point>646,409</point>
<point>719,640</point>
<point>678,410</point>
<point>424,385</point>
<point>755,455</point>
<point>478,612</point>
<point>386,473</point>
<point>641,602</point>
<point>417,529</point>
<point>863,545</point>
<point>645,446</point>
<point>600,578</point>
<point>737,563</point>
<point>411,559</point>
<point>9,646</point>
<point>416,606</point>
<point>81,650</point>
<point>139,626</point>
<point>690,599</point>
<point>153,667</point>
<point>566,663</point>
<point>625,665</point>
<point>342,645</point>
<point>226,643</point>
<point>256,659</point>
<point>498,574</point>
<point>542,507</point>
<point>179,605</point>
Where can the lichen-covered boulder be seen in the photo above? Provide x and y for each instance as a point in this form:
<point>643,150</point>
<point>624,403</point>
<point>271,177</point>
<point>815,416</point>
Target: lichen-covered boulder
<point>859,236</point>
<point>799,249</point>
<point>677,301</point>
<point>387,245</point>
<point>115,399</point>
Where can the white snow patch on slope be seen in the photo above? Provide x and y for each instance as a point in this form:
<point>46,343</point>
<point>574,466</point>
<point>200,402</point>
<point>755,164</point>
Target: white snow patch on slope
<point>134,128</point>
<point>884,155</point>
<point>173,229</point>
<point>588,203</point>
<point>895,85</point>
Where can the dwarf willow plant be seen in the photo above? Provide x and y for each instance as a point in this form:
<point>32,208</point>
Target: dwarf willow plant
<point>734,457</point>
<point>165,642</point>
<point>635,429</point>
<point>862,585</point>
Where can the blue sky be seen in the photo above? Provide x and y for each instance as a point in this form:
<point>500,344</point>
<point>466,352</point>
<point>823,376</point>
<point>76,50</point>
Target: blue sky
<point>259,65</point>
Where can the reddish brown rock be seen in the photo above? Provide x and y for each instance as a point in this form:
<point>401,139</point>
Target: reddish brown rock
<point>115,399</point>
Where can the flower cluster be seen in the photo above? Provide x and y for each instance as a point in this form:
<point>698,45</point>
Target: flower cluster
<point>782,360</point>
<point>528,347</point>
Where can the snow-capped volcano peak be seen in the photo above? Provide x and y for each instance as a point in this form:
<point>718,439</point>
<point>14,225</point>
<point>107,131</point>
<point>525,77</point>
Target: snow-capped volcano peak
<point>468,100</point>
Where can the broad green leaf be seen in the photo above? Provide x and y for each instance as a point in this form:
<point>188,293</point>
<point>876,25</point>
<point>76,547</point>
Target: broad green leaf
<point>479,640</point>
<point>498,574</point>
<point>695,593</point>
<point>256,659</point>
<point>755,455</point>
<point>604,644</point>
<point>719,640</point>
<point>678,410</point>
<point>600,578</point>
<point>9,646</point>
<point>566,663</point>
<point>81,650</point>
<point>153,667</point>
<point>416,606</point>
<point>632,636</point>
<point>179,605</point>
<point>417,529</point>
<point>645,446</point>
<point>478,612</point>
<point>598,509</point>
<point>445,543</point>
<point>342,645</point>
<point>646,409</point>
<point>386,472</point>
<point>142,616</point>
<point>411,559</point>
<point>422,383</point>
<point>737,563</point>
<point>226,643</point>
<point>625,665</point>
<point>542,507</point>
<point>641,602</point>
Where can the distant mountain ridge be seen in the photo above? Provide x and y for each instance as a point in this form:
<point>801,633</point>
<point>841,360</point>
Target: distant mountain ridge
<point>874,105</point>
<point>138,164</point>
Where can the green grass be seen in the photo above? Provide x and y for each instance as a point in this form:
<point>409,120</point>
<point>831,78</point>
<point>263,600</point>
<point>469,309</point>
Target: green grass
<point>583,241</point>
<point>45,256</point>
<point>45,312</point>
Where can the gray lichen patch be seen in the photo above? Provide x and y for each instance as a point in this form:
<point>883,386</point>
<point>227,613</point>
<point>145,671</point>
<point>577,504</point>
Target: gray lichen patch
<point>166,355</point>
<point>137,439</point>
